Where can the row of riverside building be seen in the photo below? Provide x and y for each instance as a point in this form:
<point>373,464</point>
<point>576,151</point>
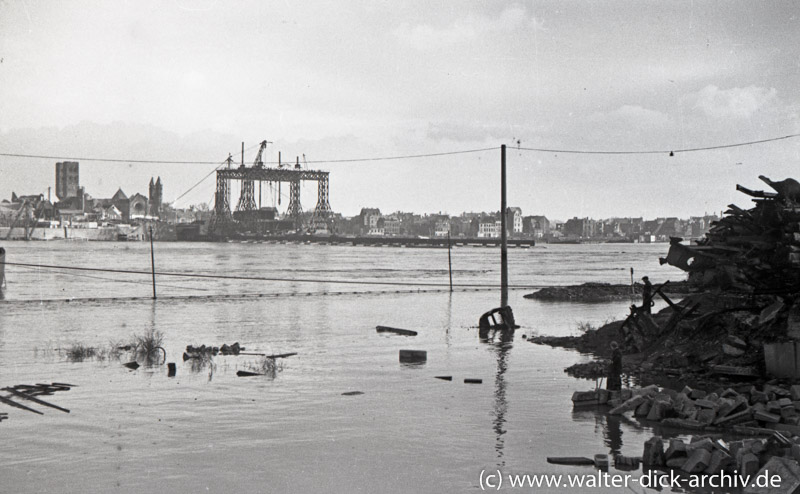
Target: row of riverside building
<point>371,222</point>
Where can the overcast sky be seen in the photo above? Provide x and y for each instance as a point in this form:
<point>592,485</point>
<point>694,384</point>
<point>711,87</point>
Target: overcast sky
<point>191,80</point>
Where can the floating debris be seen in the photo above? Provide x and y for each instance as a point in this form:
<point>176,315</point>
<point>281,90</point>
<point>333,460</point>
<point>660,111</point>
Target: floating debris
<point>444,378</point>
<point>352,393</point>
<point>473,381</point>
<point>30,393</point>
<point>570,460</point>
<point>132,365</point>
<point>242,373</point>
<point>413,356</point>
<point>387,329</point>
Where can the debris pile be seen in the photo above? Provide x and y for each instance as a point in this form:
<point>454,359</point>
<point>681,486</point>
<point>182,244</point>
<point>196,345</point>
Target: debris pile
<point>750,410</point>
<point>737,326</point>
<point>600,292</point>
<point>753,251</point>
<point>204,351</point>
<point>32,392</point>
<point>774,455</point>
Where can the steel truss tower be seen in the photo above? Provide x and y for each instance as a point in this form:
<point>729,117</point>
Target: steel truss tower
<point>294,176</point>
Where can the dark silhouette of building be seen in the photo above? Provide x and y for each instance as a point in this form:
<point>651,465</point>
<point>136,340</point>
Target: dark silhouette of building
<point>67,179</point>
<point>156,195</point>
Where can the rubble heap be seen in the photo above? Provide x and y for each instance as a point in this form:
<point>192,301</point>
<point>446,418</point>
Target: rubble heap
<point>753,251</point>
<point>770,414</point>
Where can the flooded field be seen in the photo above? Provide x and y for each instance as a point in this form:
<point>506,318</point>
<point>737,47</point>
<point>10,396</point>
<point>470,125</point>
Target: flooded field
<point>208,430</point>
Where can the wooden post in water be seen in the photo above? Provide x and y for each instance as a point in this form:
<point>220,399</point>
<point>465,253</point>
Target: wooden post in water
<point>503,233</point>
<point>449,263</point>
<point>2,269</point>
<point>153,262</point>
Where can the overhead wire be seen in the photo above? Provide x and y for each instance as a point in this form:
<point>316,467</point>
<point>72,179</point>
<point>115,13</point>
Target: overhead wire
<point>88,276</point>
<point>260,278</point>
<point>663,151</point>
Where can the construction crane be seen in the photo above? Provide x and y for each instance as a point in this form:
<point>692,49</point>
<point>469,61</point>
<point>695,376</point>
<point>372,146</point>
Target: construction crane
<point>30,209</point>
<point>258,162</point>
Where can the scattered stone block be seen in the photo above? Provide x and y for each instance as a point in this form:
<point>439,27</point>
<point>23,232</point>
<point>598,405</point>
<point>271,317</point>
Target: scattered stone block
<point>700,443</point>
<point>788,412</point>
<point>683,424</point>
<point>795,451</point>
<point>628,405</point>
<point>585,398</point>
<point>736,418</point>
<point>719,461</point>
<point>701,403</point>
<point>677,448</point>
<point>785,402</point>
<point>698,461</point>
<point>758,396</point>
<point>748,464</point>
<point>650,390</point>
<point>658,410</point>
<point>677,462</point>
<point>786,469</point>
<point>725,406</point>
<point>706,416</point>
<point>603,396</point>
<point>625,394</point>
<point>757,447</point>
<point>794,392</point>
<point>732,351</point>
<point>653,455</point>
<point>729,393</point>
<point>627,461</point>
<point>697,394</point>
<point>767,417</point>
<point>642,410</point>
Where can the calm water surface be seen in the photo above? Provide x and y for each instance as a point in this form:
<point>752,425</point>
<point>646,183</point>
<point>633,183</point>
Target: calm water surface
<point>207,430</point>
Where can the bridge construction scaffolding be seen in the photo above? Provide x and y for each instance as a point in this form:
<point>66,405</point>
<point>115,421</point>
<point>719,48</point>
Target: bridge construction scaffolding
<point>247,176</point>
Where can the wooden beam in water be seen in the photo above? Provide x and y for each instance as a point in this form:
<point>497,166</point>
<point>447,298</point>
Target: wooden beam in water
<point>35,400</point>
<point>388,329</point>
<point>14,404</point>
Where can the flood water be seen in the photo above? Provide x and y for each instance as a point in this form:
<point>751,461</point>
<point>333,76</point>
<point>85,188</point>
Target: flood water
<point>207,430</point>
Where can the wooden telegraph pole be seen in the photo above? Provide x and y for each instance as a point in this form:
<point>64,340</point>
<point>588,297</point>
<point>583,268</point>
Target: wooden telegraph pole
<point>503,234</point>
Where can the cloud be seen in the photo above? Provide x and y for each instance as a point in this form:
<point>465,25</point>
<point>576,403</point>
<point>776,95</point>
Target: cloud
<point>466,29</point>
<point>628,115</point>
<point>732,103</point>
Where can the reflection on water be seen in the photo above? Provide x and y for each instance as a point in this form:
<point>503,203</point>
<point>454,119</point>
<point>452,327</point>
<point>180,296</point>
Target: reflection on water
<point>500,342</point>
<point>208,430</point>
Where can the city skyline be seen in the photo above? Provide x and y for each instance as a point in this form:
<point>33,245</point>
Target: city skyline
<point>191,82</point>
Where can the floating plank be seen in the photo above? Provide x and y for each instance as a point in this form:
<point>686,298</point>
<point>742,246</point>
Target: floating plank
<point>248,374</point>
<point>388,329</point>
<point>444,378</point>
<point>570,460</point>
<point>413,356</point>
<point>282,355</point>
<point>473,381</point>
<point>18,405</point>
<point>352,393</point>
<point>35,400</point>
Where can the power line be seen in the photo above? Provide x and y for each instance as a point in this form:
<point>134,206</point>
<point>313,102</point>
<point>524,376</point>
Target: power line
<point>168,162</point>
<point>108,160</point>
<point>668,151</point>
<point>260,278</point>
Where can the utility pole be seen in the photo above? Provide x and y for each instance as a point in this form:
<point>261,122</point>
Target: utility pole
<point>449,263</point>
<point>503,233</point>
<point>152,262</point>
